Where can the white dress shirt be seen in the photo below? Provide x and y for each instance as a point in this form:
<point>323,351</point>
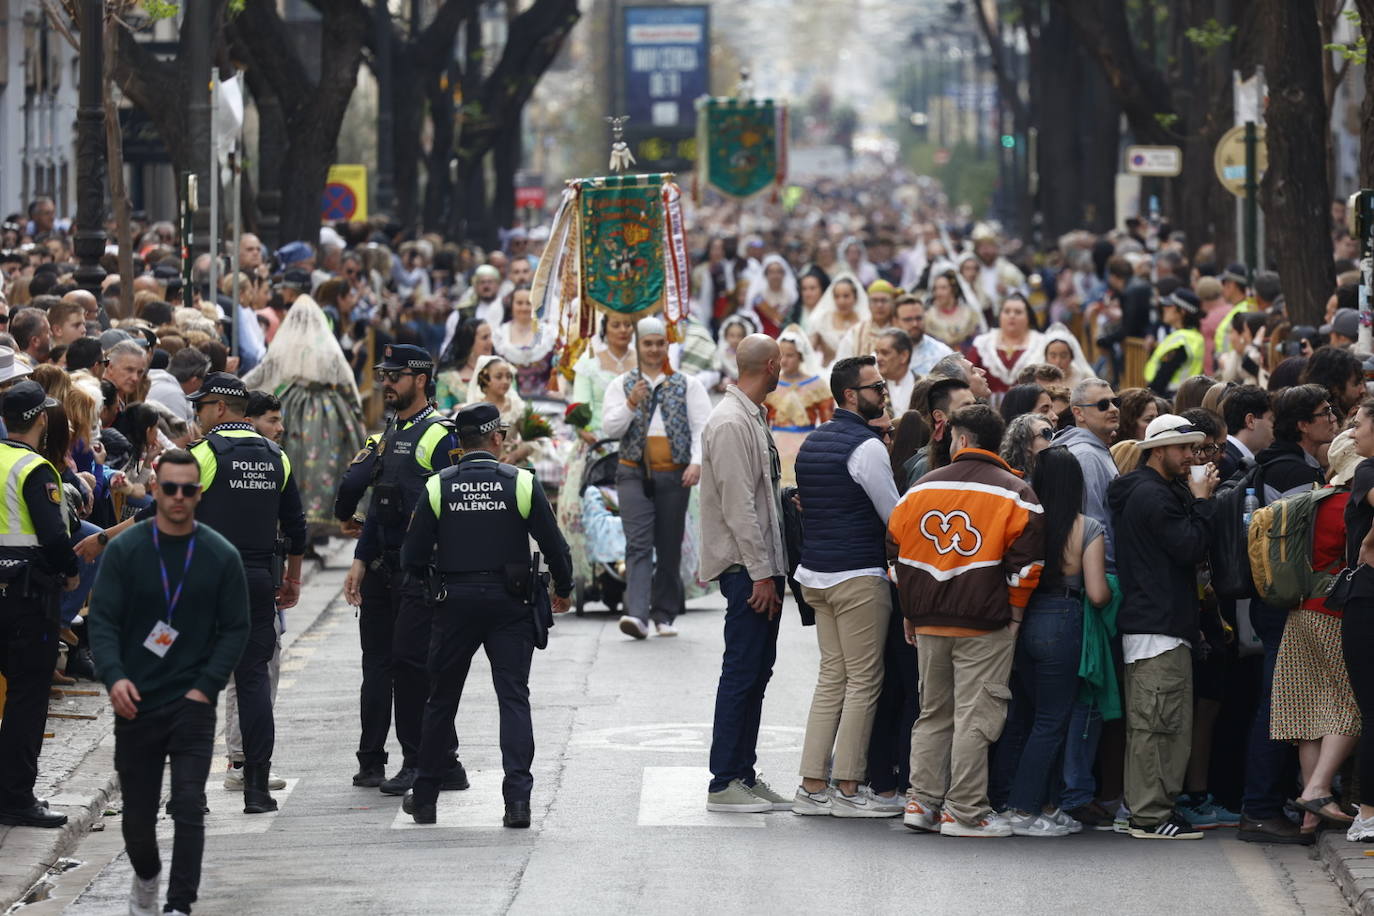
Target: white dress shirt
<point>870,467</point>
<point>617,413</point>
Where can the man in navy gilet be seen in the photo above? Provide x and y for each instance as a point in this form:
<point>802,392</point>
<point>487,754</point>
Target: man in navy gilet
<point>847,492</point>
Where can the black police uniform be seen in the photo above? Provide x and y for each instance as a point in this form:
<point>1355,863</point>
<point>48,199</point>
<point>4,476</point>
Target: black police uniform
<point>35,557</point>
<point>247,491</point>
<point>475,521</point>
<point>394,619</point>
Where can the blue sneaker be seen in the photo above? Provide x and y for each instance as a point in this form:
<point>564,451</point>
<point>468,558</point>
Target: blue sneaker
<point>1198,814</point>
<point>1223,816</point>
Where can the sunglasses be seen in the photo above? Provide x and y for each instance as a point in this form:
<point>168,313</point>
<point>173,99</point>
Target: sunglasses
<point>187,490</point>
<point>876,386</point>
<point>1103,404</point>
<point>392,375</point>
<point>4,319</point>
<point>1047,434</point>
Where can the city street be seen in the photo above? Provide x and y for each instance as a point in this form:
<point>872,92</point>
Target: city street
<point>619,820</point>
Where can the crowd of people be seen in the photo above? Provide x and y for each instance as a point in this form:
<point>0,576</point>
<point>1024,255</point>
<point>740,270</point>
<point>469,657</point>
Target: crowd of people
<point>1061,552</point>
<point>1015,559</point>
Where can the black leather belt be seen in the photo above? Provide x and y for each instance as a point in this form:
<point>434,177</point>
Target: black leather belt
<point>1060,592</point>
<point>487,576</point>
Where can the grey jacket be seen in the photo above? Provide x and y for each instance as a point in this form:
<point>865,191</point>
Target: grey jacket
<point>1099,470</point>
<point>741,510</point>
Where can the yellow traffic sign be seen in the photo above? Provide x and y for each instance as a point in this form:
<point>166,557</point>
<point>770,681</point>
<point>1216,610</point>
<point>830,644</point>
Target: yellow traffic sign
<point>1229,158</point>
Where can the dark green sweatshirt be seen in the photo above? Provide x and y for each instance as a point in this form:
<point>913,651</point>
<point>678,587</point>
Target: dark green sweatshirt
<point>211,617</point>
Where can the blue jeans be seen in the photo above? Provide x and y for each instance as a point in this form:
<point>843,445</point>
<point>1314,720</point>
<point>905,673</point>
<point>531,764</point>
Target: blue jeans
<point>1269,763</point>
<point>73,600</point>
<point>1044,690</point>
<point>1080,752</point>
<point>751,646</point>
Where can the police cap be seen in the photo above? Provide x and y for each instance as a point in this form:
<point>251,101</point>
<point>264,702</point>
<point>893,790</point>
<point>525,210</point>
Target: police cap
<point>297,278</point>
<point>477,419</point>
<point>406,356</point>
<point>221,383</point>
<point>26,399</point>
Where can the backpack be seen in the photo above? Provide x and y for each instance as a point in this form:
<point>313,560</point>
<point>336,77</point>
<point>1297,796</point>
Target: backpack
<point>1281,550</point>
<point>1229,555</point>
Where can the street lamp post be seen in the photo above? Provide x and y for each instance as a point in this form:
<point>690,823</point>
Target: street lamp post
<point>89,239</point>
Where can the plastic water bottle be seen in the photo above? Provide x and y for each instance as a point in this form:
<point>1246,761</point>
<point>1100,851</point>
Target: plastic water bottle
<point>1251,504</point>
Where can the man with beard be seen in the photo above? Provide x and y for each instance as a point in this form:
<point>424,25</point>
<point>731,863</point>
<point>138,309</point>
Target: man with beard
<point>394,617</point>
<point>847,492</point>
<point>482,300</point>
<point>926,351</point>
<point>1163,531</point>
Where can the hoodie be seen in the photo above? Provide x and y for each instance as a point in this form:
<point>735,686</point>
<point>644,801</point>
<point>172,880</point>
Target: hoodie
<point>1162,535</point>
<point>1099,470</point>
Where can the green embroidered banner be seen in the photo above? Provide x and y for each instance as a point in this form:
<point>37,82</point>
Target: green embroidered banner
<point>742,145</point>
<point>622,231</point>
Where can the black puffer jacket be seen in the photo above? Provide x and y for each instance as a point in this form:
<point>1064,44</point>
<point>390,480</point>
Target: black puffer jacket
<point>1162,534</point>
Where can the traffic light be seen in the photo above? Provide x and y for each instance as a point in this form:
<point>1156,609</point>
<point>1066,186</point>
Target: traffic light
<point>1008,141</point>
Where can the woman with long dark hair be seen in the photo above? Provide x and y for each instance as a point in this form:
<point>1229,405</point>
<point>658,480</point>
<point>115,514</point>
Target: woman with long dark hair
<point>458,365</point>
<point>1045,683</point>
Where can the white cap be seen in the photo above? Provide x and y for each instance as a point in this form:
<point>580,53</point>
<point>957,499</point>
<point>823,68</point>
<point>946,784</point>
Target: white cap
<point>650,326</point>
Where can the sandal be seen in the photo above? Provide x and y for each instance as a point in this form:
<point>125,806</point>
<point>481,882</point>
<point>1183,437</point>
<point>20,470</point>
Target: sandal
<point>1317,806</point>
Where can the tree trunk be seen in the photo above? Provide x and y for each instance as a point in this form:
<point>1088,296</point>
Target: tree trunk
<point>408,122</point>
<point>114,149</point>
<point>505,162</point>
<point>1295,193</point>
<point>1366,10</point>
<point>312,112</point>
<point>438,182</point>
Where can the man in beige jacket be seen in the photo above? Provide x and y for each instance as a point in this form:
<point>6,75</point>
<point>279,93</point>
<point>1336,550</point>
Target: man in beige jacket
<point>741,547</point>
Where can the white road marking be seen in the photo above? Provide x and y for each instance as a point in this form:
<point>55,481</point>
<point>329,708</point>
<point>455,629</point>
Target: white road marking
<point>478,808</point>
<point>226,817</point>
<point>676,797</point>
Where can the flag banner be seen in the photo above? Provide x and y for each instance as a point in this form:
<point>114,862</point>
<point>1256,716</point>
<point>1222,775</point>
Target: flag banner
<point>741,145</point>
<point>617,245</point>
<point>623,238</point>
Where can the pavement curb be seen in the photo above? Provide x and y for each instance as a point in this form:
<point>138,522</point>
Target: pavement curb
<point>1352,870</point>
<point>93,781</point>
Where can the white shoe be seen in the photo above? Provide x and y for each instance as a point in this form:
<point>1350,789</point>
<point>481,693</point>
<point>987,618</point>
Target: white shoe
<point>1036,825</point>
<point>1361,831</point>
<point>994,825</point>
<point>664,629</point>
<point>1061,818</point>
<point>805,802</point>
<point>633,626</point>
<point>143,896</point>
<point>233,779</point>
<point>919,817</point>
<point>865,803</point>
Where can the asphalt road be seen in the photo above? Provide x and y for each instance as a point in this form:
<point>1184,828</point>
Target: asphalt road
<point>620,825</point>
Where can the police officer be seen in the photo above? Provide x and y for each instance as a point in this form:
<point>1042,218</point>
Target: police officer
<point>246,491</point>
<point>36,562</point>
<point>473,524</point>
<point>394,617</point>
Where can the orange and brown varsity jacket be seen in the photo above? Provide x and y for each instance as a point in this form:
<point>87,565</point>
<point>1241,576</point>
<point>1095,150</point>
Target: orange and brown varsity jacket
<point>968,540</point>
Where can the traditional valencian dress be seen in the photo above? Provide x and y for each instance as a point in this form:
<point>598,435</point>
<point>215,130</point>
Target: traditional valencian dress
<point>320,409</point>
<point>796,408</point>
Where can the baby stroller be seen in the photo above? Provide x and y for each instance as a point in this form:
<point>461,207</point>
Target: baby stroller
<point>604,533</point>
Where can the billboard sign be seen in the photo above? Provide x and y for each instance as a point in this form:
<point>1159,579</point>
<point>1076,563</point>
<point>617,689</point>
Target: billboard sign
<point>667,60</point>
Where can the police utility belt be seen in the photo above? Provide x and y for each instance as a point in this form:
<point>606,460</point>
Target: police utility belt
<point>517,578</point>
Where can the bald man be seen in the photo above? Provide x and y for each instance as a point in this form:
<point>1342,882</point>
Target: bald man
<point>742,549</point>
<point>90,309</point>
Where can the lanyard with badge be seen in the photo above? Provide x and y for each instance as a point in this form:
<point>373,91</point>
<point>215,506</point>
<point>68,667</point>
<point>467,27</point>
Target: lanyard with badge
<point>160,640</point>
